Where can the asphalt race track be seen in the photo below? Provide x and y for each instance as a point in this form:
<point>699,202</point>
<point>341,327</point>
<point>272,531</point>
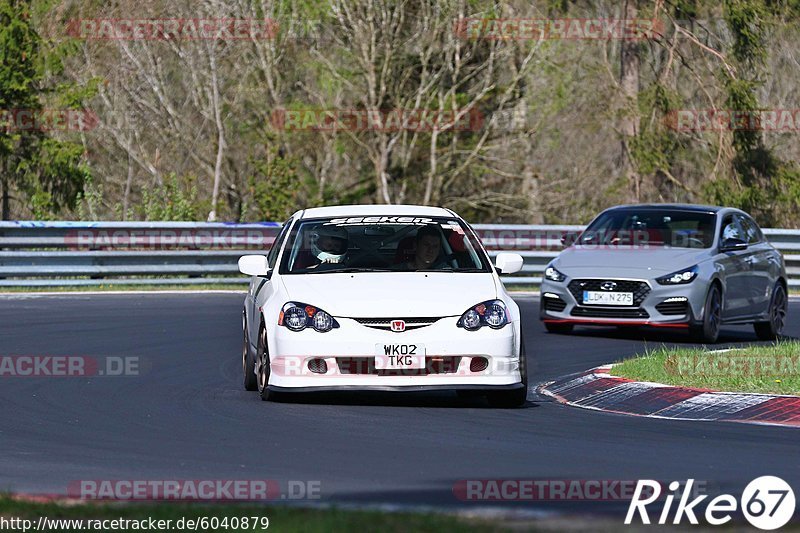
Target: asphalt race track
<point>188,417</point>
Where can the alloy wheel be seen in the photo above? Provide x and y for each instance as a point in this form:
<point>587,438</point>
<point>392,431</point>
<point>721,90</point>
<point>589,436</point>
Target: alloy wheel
<point>714,312</point>
<point>778,311</point>
<point>263,360</point>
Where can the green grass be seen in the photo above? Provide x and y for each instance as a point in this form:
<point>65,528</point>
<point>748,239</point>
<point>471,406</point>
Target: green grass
<point>281,518</point>
<point>763,368</point>
<point>522,288</point>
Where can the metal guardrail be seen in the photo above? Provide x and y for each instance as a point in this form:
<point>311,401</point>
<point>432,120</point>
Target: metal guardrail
<point>185,253</point>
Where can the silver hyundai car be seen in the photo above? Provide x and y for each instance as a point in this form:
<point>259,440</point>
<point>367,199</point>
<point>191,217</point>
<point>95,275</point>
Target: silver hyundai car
<point>675,266</point>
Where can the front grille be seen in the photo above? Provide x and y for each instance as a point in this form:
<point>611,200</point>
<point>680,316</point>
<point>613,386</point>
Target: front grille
<point>447,364</point>
<point>386,323</point>
<point>607,312</point>
<point>554,304</point>
<point>640,289</point>
<point>678,307</point>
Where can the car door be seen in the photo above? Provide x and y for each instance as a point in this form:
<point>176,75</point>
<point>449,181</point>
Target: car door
<point>261,287</point>
<point>758,260</point>
<point>736,270</point>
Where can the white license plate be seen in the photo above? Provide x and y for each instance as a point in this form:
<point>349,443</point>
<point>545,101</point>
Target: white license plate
<point>399,356</point>
<point>607,298</point>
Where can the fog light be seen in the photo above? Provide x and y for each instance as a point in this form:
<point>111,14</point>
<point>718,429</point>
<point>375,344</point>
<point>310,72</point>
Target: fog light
<point>318,366</point>
<point>478,364</point>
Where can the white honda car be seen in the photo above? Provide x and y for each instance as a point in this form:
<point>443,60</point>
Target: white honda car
<point>381,297</point>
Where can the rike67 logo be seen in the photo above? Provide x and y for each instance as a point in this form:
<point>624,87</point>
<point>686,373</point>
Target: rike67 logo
<point>767,502</point>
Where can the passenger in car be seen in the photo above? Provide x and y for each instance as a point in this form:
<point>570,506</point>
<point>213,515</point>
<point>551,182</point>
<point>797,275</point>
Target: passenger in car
<point>427,250</point>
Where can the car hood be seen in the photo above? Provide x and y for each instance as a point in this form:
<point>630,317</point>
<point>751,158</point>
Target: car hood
<point>391,294</point>
<point>578,261</point>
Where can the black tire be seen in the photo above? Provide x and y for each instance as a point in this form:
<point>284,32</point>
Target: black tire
<point>507,399</point>
<point>262,353</point>
<point>248,362</point>
<point>558,327</point>
<point>772,329</point>
<point>708,331</point>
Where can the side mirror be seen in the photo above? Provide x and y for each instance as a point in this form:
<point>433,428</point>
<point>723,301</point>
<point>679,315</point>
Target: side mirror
<point>253,265</point>
<point>732,245</point>
<point>508,263</point>
<point>569,238</point>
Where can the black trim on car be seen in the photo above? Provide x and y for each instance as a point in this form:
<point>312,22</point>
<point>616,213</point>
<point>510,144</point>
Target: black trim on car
<point>398,388</point>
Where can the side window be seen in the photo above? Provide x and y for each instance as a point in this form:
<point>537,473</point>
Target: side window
<point>272,256</point>
<point>753,233</point>
<point>731,229</point>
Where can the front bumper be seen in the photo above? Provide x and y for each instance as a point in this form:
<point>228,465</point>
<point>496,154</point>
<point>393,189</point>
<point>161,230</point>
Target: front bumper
<point>450,348</point>
<point>677,306</point>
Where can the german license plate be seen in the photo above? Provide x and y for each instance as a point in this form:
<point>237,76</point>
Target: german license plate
<point>607,298</point>
<point>399,356</point>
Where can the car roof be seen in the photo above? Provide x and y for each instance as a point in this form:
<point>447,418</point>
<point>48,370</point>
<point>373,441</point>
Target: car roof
<point>376,210</point>
<point>676,207</point>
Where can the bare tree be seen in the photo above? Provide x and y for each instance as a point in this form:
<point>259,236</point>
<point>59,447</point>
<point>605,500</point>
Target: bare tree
<point>629,93</point>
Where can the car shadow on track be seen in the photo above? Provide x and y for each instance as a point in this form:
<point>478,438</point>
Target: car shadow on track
<point>726,336</point>
<point>443,400</point>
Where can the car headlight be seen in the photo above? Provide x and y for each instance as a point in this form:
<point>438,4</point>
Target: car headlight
<point>492,313</point>
<point>680,277</point>
<point>298,316</point>
<point>554,275</point>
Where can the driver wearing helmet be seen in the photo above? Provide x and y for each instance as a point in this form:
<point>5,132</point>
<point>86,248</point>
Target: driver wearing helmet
<point>329,244</point>
<point>731,232</point>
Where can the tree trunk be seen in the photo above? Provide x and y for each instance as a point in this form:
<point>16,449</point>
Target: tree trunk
<point>221,145</point>
<point>6,213</point>
<point>128,184</point>
<point>4,181</point>
<point>629,89</point>
<point>432,162</point>
<point>381,172</point>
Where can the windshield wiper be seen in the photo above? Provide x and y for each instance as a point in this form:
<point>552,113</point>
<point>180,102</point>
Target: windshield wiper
<point>448,269</point>
<point>350,270</point>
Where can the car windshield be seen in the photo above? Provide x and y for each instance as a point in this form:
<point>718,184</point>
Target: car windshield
<point>382,244</point>
<point>651,227</point>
